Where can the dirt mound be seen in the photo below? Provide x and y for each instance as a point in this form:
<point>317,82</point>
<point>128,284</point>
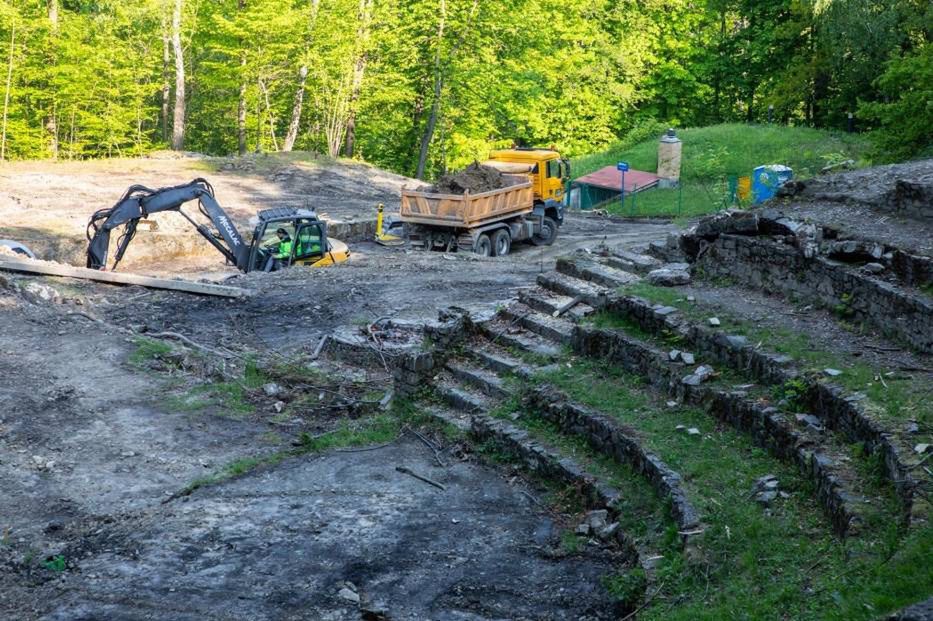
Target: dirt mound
<point>474,178</point>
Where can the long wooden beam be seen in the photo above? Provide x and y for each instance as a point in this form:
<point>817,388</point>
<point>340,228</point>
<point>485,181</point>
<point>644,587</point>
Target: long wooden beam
<point>119,278</point>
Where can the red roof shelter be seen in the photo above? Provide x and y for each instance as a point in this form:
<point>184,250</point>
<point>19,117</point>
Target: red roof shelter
<point>605,185</point>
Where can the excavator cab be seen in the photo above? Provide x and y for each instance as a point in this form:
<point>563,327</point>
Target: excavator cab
<point>308,241</point>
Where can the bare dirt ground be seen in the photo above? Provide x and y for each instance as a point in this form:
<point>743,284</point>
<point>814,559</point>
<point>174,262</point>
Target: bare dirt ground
<point>91,444</point>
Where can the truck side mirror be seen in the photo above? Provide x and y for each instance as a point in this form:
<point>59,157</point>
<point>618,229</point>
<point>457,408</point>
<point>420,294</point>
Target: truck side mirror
<point>565,165</point>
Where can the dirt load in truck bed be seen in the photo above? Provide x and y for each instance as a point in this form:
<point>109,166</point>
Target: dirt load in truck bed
<point>474,179</point>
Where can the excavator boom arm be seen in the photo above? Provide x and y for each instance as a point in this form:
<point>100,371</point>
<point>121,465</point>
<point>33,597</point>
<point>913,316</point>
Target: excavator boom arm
<point>139,202</point>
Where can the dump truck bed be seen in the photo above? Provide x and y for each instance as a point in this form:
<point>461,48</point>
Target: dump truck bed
<point>468,210</point>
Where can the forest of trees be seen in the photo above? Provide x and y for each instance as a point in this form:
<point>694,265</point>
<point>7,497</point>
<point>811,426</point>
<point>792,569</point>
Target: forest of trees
<point>419,86</point>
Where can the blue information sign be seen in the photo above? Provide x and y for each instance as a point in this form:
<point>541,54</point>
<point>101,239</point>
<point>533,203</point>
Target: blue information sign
<point>623,166</point>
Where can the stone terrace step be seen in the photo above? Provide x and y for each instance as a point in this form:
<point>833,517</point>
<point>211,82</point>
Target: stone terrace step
<point>562,284</point>
<point>501,332</point>
<point>465,399</point>
<point>551,328</point>
<point>767,426</point>
<point>494,358</point>
<point>547,302</point>
<point>596,272</point>
<point>486,381</point>
<point>632,261</point>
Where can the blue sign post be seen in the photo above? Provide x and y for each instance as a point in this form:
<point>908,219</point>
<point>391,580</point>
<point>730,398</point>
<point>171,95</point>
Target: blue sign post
<point>622,167</point>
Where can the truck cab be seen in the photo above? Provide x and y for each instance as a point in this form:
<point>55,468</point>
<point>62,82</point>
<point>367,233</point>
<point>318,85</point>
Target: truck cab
<point>547,169</point>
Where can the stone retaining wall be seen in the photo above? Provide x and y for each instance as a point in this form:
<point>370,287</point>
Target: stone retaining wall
<point>838,410</point>
<point>767,427</point>
<point>767,264</point>
<point>549,464</point>
<point>610,438</point>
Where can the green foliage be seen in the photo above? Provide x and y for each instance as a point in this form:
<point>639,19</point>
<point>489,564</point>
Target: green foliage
<point>148,350</point>
<point>459,77</point>
<point>627,588</point>
<point>55,563</point>
<point>905,117</point>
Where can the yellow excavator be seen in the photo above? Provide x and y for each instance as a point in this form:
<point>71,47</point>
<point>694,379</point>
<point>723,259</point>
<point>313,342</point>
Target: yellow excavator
<point>283,236</point>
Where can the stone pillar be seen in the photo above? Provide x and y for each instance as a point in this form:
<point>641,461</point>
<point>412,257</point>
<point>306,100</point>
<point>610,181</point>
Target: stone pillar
<point>669,151</point>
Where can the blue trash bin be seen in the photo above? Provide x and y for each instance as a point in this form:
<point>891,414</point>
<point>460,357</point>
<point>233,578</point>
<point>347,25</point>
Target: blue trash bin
<point>767,179</point>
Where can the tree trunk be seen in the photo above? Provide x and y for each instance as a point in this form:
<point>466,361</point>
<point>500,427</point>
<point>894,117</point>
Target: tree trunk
<point>241,101</point>
<point>359,70</point>
<point>166,86</point>
<point>439,79</point>
<point>293,125</point>
<point>265,94</point>
<point>178,125</point>
<point>241,110</point>
<point>52,124</point>
<point>428,134</point>
<point>6,95</point>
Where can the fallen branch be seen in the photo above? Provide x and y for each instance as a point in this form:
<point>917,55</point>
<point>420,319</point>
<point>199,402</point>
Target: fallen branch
<point>184,339</point>
<point>437,456</point>
<point>644,604</point>
<point>566,307</point>
<point>407,471</point>
<point>320,347</point>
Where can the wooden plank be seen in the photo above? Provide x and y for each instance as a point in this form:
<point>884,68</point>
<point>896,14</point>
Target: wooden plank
<point>119,278</point>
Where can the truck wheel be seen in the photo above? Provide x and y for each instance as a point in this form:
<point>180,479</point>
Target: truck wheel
<point>501,242</point>
<point>483,246</point>
<point>547,234</point>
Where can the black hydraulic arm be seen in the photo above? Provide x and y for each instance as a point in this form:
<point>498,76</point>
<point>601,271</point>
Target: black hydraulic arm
<point>139,202</point>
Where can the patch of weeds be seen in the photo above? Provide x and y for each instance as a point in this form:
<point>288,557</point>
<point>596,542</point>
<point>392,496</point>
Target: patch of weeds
<point>844,308</point>
<point>570,542</point>
<point>55,563</point>
<point>926,289</point>
<point>148,350</point>
<point>793,391</point>
<point>628,588</point>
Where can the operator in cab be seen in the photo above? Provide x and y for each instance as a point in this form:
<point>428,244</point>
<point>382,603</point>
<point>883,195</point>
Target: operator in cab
<point>281,252</point>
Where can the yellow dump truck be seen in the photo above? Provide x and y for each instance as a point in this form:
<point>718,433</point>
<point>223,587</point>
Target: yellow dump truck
<point>528,208</point>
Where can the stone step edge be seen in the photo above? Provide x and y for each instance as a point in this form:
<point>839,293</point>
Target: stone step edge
<point>468,375</point>
<point>550,464</point>
<point>542,325</point>
<point>595,272</point>
<point>500,338</point>
<point>767,429</point>
<point>839,410</point>
<point>608,436</point>
<point>541,304</point>
<point>553,282</point>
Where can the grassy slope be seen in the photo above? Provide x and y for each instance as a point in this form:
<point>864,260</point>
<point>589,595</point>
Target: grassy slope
<point>712,154</point>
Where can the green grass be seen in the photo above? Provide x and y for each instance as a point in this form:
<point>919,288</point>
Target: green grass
<point>786,565</point>
<point>148,350</point>
<point>897,398</point>
<point>712,154</point>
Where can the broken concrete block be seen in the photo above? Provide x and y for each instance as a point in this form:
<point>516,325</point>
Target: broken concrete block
<point>687,358</point>
<point>691,380</point>
<point>832,372</point>
<point>674,354</point>
<point>271,389</point>
<point>873,268</point>
<point>704,372</point>
<point>714,321</point>
<point>667,277</point>
<point>597,519</point>
<point>920,449</point>
<point>810,421</point>
<point>693,431</point>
